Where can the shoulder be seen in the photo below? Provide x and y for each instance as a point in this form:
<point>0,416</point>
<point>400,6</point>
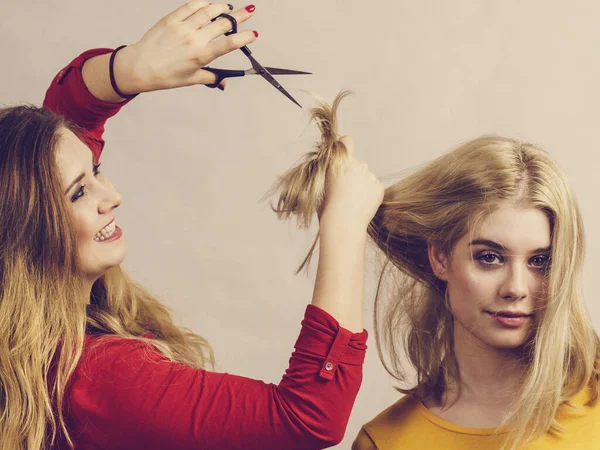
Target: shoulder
<point>107,354</point>
<point>116,374</point>
<point>96,345</point>
<point>582,404</point>
<point>399,417</point>
<point>399,411</point>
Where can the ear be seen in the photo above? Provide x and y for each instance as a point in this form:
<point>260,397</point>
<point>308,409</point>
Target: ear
<point>438,261</point>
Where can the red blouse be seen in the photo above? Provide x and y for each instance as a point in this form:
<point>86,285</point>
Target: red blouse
<point>125,395</point>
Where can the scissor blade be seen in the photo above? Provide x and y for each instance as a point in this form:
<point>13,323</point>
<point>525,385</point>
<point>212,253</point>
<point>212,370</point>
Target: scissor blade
<point>276,71</point>
<point>260,70</point>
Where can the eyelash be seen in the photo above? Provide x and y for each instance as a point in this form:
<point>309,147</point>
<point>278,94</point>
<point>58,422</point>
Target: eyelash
<point>543,267</point>
<point>81,191</point>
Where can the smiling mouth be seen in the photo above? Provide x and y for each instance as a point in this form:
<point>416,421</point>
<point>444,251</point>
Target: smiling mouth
<point>107,232</point>
<point>105,226</point>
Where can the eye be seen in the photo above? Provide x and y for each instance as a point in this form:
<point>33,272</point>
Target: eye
<point>80,192</point>
<point>489,258</point>
<point>540,261</point>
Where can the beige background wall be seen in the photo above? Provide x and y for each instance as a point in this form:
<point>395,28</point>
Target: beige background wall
<point>192,164</point>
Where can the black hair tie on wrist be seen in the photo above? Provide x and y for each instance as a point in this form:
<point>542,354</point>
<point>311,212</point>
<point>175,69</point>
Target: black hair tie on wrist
<point>112,74</point>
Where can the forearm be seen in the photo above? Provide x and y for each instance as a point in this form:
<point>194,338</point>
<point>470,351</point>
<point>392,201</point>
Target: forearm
<point>147,401</point>
<point>339,285</point>
<point>95,72</point>
<point>69,96</point>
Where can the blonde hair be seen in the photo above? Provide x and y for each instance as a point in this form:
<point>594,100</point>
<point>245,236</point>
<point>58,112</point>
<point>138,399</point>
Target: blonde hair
<point>302,188</point>
<point>42,314</point>
<point>437,205</point>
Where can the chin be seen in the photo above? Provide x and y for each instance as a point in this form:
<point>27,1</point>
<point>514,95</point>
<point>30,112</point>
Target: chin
<point>99,271</point>
<point>115,263</point>
<point>507,342</point>
<point>118,256</point>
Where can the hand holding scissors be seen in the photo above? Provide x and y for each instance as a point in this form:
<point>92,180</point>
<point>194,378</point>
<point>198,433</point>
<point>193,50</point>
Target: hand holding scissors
<point>256,69</point>
<point>174,52</point>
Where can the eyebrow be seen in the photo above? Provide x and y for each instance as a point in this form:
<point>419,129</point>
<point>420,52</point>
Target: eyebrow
<point>79,178</point>
<point>75,181</point>
<point>490,243</point>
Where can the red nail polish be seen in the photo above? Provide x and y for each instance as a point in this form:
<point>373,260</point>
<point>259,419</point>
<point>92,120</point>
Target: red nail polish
<point>255,33</point>
<point>250,8</point>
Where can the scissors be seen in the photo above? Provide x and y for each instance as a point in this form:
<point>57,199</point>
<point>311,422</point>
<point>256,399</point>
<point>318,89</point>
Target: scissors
<point>256,69</point>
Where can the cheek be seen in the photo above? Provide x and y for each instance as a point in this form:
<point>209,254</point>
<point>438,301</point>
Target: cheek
<point>539,289</point>
<point>467,279</point>
<point>471,288</point>
<point>83,228</point>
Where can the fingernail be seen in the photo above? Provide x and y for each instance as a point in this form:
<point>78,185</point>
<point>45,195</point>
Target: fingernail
<point>250,8</point>
<point>255,33</point>
<point>230,6</point>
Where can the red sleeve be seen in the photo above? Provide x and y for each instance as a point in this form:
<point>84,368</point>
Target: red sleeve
<point>126,395</point>
<point>68,96</point>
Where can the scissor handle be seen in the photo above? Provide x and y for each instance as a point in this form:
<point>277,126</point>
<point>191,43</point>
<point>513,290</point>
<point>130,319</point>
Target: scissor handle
<point>233,30</point>
<point>232,20</point>
<point>223,73</point>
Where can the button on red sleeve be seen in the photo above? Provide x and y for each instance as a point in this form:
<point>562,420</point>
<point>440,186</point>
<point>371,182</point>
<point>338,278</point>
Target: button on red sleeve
<point>340,346</point>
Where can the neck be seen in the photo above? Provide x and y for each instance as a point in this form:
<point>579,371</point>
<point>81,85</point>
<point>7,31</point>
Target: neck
<point>488,375</point>
<point>87,291</point>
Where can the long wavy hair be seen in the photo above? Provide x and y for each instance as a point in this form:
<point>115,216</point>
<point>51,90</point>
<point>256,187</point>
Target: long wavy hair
<point>437,204</point>
<point>43,315</point>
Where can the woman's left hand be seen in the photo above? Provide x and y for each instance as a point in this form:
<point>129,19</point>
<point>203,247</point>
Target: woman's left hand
<point>172,53</point>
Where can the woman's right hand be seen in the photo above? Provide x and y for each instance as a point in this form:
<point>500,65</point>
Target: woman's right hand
<point>353,193</point>
<point>172,53</point>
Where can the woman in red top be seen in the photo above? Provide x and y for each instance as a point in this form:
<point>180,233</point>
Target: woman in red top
<point>88,358</point>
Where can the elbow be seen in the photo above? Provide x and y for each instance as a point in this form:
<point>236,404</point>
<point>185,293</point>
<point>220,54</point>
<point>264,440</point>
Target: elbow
<point>324,436</point>
<point>332,441</point>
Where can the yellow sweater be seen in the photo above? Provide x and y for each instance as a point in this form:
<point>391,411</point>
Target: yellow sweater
<point>408,425</point>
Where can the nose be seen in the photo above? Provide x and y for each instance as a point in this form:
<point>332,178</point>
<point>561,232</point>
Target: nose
<point>111,199</point>
<point>514,285</point>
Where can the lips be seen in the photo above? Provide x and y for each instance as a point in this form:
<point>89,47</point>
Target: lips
<point>105,226</point>
<point>508,313</point>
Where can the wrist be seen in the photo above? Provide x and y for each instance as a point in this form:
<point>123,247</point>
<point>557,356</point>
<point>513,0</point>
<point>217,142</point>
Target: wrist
<point>331,229</point>
<point>335,225</point>
<point>125,71</point>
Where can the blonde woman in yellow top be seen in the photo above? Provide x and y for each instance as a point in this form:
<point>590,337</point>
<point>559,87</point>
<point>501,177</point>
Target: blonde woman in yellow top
<point>481,298</point>
<point>479,312</point>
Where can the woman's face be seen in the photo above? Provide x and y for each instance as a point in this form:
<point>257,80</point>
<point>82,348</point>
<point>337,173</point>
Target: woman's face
<point>93,200</point>
<point>496,276</point>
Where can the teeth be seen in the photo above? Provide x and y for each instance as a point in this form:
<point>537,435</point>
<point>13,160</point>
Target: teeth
<point>105,232</point>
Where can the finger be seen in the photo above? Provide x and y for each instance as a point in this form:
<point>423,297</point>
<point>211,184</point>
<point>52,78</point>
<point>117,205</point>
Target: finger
<point>348,142</point>
<point>204,77</point>
<point>205,15</point>
<point>232,42</point>
<point>184,11</point>
<point>223,25</point>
